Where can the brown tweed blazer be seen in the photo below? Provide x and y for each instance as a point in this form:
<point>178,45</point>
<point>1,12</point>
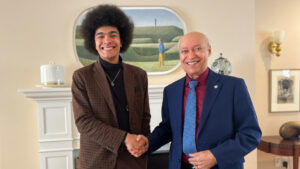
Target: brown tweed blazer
<point>95,114</point>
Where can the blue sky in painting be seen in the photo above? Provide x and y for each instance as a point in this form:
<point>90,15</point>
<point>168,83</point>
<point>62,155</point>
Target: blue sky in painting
<point>146,17</point>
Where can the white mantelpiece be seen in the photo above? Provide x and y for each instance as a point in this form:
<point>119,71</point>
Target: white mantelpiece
<point>58,135</point>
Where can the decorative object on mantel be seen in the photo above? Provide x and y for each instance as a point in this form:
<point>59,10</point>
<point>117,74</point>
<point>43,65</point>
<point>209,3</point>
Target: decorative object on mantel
<point>52,75</point>
<point>221,66</point>
<point>290,130</point>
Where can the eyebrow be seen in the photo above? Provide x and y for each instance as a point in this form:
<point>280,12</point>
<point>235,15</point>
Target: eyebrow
<point>111,32</point>
<point>197,45</point>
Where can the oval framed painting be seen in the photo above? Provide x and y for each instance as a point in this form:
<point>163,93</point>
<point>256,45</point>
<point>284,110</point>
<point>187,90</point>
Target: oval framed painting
<point>154,47</point>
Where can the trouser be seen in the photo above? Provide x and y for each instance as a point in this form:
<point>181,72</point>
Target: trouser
<point>161,59</point>
<point>186,165</point>
<point>126,161</point>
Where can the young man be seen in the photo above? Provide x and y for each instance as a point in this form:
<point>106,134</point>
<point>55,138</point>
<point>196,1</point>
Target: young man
<point>110,98</point>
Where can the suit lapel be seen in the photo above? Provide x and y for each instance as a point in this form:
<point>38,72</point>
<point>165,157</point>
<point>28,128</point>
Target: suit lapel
<point>213,87</point>
<point>177,99</point>
<point>99,76</point>
<point>129,87</point>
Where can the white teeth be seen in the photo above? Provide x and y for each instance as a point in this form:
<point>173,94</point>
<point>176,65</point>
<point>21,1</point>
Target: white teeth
<point>107,48</point>
<point>192,63</point>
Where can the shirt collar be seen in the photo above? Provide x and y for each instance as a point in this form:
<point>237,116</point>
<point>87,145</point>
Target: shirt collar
<point>201,79</point>
<point>109,66</point>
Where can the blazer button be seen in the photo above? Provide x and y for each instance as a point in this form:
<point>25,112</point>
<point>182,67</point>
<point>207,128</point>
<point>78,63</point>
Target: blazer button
<point>127,109</point>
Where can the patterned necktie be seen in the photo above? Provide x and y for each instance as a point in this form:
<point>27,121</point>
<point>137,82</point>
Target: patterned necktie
<point>189,143</point>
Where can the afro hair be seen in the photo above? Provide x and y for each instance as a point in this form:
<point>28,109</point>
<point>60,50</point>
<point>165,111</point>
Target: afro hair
<point>106,15</point>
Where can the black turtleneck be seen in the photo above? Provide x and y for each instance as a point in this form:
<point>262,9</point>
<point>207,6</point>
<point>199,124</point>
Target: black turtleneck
<point>117,91</point>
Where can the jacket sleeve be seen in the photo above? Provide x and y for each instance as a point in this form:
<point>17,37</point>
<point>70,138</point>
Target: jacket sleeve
<point>87,124</point>
<point>246,128</point>
<point>162,134</point>
<point>146,113</point>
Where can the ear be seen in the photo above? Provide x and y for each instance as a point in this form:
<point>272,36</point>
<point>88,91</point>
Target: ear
<point>209,51</point>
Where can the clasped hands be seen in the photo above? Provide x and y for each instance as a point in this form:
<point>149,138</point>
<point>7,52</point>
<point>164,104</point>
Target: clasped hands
<point>136,144</point>
<point>139,144</point>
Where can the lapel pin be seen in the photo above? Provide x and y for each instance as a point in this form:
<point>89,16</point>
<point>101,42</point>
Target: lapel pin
<point>216,86</point>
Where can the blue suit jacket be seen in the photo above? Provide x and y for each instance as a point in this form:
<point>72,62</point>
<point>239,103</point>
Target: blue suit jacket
<point>228,125</point>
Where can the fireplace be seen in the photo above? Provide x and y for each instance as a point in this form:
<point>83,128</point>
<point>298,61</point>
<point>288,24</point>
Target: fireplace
<point>58,136</point>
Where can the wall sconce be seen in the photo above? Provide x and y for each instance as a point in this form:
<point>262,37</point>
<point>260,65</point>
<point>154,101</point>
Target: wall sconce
<point>274,46</point>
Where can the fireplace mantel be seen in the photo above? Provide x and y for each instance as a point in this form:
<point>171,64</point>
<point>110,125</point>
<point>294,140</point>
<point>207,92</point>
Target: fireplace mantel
<point>58,135</point>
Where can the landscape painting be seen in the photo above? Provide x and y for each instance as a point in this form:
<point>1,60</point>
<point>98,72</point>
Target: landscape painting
<point>155,41</point>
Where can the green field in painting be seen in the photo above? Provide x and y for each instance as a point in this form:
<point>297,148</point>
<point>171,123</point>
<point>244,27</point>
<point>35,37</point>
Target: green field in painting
<point>149,66</point>
<point>143,51</point>
<point>154,67</point>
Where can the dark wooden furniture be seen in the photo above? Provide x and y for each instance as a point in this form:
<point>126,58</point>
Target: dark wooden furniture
<point>277,145</point>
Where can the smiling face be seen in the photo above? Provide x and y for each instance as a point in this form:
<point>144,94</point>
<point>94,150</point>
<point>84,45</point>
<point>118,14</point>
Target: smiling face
<point>108,43</point>
<point>194,51</point>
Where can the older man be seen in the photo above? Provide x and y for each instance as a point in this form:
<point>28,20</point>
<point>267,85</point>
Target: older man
<point>209,118</point>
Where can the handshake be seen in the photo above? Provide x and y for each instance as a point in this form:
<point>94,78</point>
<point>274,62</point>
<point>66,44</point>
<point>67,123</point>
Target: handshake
<point>136,144</point>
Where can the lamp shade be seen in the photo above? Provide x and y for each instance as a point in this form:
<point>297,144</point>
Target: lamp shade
<point>279,36</point>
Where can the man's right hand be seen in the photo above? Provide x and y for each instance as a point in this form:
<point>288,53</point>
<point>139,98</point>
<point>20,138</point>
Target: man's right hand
<point>136,144</point>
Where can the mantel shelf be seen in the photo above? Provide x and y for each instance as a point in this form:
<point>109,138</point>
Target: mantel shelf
<point>37,94</point>
<point>47,93</point>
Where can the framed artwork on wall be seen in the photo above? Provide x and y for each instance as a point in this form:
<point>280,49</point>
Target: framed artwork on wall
<point>154,47</point>
<point>284,90</point>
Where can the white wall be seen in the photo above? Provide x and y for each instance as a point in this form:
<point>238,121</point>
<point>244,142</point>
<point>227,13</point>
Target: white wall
<point>271,15</point>
<point>33,32</point>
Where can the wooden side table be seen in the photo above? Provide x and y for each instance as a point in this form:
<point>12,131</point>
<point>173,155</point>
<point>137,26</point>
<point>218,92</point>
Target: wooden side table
<point>277,145</point>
